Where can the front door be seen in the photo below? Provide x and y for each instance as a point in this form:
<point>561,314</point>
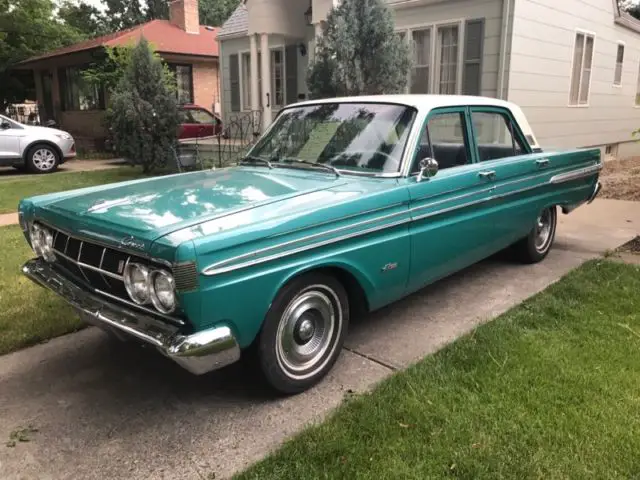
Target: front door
<point>452,223</point>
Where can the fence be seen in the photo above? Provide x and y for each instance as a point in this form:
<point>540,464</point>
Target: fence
<point>27,113</point>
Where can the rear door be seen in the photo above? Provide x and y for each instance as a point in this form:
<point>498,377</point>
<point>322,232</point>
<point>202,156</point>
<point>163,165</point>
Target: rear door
<point>450,226</point>
<point>521,178</point>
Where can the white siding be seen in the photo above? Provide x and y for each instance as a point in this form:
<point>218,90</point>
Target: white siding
<point>540,73</point>
<point>490,10</point>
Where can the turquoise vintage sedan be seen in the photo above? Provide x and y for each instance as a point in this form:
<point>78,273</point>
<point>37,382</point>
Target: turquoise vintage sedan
<point>342,207</point>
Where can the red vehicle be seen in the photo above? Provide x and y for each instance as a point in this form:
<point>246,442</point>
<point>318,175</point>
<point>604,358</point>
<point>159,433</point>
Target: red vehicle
<point>198,122</point>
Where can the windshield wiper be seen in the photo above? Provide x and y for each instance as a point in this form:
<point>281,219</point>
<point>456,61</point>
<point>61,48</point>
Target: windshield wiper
<point>331,168</point>
<point>250,159</point>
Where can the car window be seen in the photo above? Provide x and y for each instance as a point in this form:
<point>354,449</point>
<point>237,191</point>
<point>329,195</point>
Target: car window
<point>198,116</point>
<point>495,136</point>
<point>445,140</point>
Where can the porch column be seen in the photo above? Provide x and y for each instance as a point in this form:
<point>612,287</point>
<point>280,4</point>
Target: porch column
<point>267,97</point>
<point>255,93</point>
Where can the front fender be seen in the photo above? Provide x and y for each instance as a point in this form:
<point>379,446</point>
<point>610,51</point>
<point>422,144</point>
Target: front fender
<point>241,298</point>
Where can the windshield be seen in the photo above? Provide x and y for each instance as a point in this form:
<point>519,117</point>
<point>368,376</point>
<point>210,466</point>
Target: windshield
<point>352,137</point>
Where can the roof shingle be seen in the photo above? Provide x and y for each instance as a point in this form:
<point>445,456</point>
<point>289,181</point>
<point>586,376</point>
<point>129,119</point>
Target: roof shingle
<point>165,37</point>
<point>238,22</point>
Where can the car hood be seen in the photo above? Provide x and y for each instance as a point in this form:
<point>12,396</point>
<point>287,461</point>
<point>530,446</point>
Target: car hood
<point>149,209</point>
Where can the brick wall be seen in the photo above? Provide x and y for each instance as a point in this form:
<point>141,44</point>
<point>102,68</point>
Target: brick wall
<point>206,87</point>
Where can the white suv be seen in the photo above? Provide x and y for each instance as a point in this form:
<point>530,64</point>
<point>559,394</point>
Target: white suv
<point>40,149</point>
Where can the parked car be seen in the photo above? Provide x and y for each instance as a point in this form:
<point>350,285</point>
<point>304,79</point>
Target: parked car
<point>39,149</point>
<point>372,199</point>
<point>198,122</point>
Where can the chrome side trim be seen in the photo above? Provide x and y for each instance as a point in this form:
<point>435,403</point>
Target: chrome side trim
<point>198,353</point>
<point>217,266</point>
<point>576,174</point>
<point>214,270</point>
<point>224,267</point>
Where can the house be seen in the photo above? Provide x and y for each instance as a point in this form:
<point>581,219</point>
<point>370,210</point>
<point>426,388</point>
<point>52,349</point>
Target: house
<point>572,65</point>
<point>190,50</point>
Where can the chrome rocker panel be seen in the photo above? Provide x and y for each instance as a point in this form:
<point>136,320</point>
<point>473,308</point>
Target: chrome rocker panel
<point>199,353</point>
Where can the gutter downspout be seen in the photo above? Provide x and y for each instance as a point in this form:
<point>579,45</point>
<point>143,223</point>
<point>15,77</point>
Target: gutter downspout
<point>506,13</point>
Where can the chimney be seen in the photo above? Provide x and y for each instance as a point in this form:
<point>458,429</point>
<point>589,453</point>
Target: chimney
<point>184,14</point>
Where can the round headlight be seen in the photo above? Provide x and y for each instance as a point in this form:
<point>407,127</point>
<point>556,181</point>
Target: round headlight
<point>163,293</point>
<point>136,281</point>
<point>42,243</point>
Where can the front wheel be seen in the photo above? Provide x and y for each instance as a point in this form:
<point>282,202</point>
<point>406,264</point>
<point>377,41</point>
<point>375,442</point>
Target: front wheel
<point>536,246</point>
<point>42,159</point>
<point>303,333</point>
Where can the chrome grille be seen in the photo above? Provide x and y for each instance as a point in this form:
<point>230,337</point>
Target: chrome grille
<point>101,268</point>
<point>186,277</point>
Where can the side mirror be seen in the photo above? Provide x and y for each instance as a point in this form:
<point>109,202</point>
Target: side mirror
<point>428,168</point>
<point>5,125</point>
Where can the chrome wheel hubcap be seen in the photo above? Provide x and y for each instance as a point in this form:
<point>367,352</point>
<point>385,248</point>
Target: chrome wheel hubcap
<point>44,159</point>
<point>307,332</point>
<point>544,227</point>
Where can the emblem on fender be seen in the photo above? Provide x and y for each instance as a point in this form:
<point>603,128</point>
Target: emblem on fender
<point>132,242</point>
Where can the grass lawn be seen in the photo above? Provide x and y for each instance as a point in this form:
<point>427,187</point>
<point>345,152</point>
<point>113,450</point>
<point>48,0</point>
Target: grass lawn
<point>549,390</point>
<point>28,313</point>
<point>13,189</point>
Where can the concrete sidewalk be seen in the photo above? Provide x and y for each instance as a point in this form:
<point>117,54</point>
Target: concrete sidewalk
<point>104,410</point>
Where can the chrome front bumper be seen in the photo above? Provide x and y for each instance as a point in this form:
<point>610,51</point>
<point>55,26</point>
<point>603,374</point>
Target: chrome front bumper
<point>199,353</point>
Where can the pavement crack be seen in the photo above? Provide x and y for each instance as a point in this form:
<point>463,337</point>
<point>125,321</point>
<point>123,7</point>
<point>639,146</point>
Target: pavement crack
<point>372,359</point>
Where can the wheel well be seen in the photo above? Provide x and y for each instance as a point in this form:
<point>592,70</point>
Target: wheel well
<point>42,142</point>
<point>358,301</point>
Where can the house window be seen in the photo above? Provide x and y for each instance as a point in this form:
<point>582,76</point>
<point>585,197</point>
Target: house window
<point>581,70</point>
<point>440,64</point>
<point>448,66</point>
<point>277,80</point>
<point>617,79</point>
<point>78,94</point>
<point>421,71</point>
<point>246,81</point>
<point>184,82</point>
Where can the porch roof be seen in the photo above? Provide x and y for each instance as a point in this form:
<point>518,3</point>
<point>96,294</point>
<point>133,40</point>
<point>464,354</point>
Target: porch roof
<point>164,36</point>
<point>237,24</point>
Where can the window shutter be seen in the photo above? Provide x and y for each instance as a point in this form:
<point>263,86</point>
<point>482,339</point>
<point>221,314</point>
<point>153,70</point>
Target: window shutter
<point>291,63</point>
<point>234,76</point>
<point>473,50</point>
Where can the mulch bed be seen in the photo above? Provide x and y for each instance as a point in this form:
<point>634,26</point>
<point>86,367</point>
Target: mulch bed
<point>621,179</point>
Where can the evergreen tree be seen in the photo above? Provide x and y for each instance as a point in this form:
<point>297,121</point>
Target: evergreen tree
<point>359,53</point>
<point>143,112</point>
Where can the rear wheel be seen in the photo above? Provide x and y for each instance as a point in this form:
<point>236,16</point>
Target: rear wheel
<point>536,246</point>
<point>303,333</point>
<point>42,159</point>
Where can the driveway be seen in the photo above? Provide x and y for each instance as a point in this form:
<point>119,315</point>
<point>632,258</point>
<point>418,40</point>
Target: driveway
<point>104,410</point>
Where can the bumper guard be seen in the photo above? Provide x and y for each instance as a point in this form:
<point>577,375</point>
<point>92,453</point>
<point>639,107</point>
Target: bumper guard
<point>199,353</point>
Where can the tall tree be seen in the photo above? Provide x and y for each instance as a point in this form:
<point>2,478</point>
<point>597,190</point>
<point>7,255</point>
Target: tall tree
<point>216,12</point>
<point>359,53</point>
<point>123,14</point>
<point>27,28</point>
<point>143,112</point>
<point>157,9</point>
<point>86,19</point>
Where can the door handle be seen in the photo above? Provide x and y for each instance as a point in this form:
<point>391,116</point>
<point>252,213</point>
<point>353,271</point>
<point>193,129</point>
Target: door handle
<point>542,162</point>
<point>490,174</point>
